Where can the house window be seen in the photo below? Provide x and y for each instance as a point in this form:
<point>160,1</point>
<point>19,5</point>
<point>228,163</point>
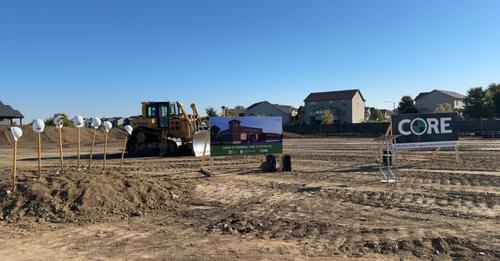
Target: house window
<point>312,103</point>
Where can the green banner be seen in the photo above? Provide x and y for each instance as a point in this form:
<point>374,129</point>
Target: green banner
<point>245,149</point>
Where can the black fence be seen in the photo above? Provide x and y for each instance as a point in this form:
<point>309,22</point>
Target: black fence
<point>379,128</point>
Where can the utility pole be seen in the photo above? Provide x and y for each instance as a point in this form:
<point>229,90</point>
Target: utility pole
<point>393,105</point>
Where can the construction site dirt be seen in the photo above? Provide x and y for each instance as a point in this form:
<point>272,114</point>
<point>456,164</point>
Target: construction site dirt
<point>331,205</point>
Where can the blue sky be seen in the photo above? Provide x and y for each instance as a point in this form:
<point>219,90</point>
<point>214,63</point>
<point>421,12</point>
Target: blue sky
<point>102,58</point>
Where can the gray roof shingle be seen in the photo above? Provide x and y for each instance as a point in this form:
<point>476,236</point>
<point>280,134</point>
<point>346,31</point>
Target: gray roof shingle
<point>452,94</point>
<point>8,112</point>
<point>285,108</point>
<point>335,95</point>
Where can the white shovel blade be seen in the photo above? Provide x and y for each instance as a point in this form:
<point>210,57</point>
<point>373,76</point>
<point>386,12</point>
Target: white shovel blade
<point>199,143</point>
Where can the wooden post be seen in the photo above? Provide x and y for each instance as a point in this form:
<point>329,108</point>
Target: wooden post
<point>92,148</point>
<point>61,149</point>
<point>388,133</point>
<point>457,156</point>
<point>434,154</point>
<point>7,136</point>
<point>14,167</point>
<point>39,156</point>
<point>123,152</point>
<point>78,148</point>
<point>105,150</point>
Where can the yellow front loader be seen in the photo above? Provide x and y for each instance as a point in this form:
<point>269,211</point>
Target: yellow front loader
<point>164,128</point>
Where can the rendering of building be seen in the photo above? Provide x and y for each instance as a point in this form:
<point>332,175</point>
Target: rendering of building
<point>237,134</point>
<point>8,115</point>
<point>347,106</point>
<point>265,108</point>
<point>427,102</point>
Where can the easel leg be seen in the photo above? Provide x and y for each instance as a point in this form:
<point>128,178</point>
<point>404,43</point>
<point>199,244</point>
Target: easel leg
<point>434,154</point>
<point>457,155</point>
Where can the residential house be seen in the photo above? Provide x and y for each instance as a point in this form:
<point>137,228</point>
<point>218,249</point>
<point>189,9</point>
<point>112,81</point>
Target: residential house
<point>386,114</point>
<point>265,108</point>
<point>115,121</point>
<point>8,115</point>
<point>427,102</point>
<point>347,106</point>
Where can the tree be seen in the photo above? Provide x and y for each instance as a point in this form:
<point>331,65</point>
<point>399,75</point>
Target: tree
<point>327,117</point>
<point>477,104</point>
<point>296,117</point>
<point>406,105</point>
<point>66,120</point>
<point>443,107</point>
<point>236,111</point>
<point>211,112</point>
<point>376,115</point>
<point>494,92</point>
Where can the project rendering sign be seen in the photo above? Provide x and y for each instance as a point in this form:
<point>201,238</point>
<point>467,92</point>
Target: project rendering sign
<point>245,135</point>
<point>425,130</point>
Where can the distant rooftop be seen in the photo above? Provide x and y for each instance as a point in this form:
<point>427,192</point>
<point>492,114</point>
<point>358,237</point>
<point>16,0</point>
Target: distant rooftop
<point>453,94</point>
<point>285,108</point>
<point>334,95</point>
<point>8,112</point>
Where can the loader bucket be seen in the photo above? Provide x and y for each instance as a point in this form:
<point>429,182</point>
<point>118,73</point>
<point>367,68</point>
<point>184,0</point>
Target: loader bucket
<point>199,140</point>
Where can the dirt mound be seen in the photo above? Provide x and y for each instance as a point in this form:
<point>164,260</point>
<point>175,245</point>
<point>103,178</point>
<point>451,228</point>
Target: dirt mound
<point>89,197</point>
<point>51,136</point>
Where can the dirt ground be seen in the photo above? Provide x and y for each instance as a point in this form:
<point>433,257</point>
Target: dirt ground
<point>331,206</point>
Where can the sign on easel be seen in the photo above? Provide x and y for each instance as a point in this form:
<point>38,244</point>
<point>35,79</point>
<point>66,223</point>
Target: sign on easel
<point>425,130</point>
<point>238,136</point>
<point>234,136</point>
<point>413,131</point>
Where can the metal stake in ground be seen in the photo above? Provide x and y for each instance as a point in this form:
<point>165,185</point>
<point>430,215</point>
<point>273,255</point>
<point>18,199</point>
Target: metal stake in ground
<point>38,127</point>
<point>107,127</point>
<point>59,122</point>
<point>128,129</point>
<point>96,122</point>
<point>78,123</point>
<point>16,134</point>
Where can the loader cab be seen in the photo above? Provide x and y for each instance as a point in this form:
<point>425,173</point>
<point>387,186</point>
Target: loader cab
<point>159,113</point>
